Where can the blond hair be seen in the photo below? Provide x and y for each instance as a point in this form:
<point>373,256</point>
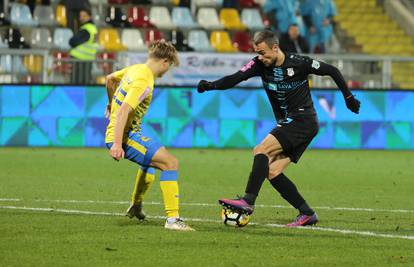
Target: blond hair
<point>162,49</point>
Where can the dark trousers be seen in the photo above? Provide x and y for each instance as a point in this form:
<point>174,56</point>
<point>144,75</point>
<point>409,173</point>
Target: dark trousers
<point>81,72</point>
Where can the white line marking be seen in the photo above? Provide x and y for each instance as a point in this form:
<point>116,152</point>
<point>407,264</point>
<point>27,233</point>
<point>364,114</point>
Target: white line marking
<point>206,205</point>
<point>9,199</point>
<point>341,231</point>
<point>215,205</point>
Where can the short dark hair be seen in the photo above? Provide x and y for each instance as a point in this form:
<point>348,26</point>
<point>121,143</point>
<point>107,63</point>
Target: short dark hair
<point>269,37</point>
<point>87,11</point>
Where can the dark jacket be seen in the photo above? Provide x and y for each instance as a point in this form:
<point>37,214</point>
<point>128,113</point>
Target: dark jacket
<point>288,45</point>
<point>80,37</point>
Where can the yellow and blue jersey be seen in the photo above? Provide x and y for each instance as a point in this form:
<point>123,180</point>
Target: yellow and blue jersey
<point>136,85</point>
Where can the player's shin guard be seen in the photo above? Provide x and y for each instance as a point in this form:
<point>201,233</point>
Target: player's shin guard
<point>290,193</point>
<point>169,188</point>
<point>260,171</point>
<point>144,179</point>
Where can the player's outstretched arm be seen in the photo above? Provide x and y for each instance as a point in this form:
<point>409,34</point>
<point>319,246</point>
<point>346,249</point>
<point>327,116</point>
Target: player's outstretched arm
<point>321,68</point>
<point>251,69</point>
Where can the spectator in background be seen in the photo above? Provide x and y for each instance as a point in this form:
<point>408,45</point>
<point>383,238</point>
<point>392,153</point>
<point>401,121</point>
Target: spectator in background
<point>73,8</point>
<point>293,42</point>
<point>317,15</point>
<point>281,13</point>
<point>84,48</point>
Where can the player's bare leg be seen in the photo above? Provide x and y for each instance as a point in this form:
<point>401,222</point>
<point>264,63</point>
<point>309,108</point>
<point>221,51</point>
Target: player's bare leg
<point>289,192</point>
<point>168,164</point>
<point>267,149</point>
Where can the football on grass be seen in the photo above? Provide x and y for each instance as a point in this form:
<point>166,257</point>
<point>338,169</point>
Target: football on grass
<point>233,218</point>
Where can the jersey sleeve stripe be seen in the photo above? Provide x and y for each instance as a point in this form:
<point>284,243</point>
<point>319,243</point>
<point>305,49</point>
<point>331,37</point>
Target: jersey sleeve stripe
<point>118,102</point>
<point>122,92</point>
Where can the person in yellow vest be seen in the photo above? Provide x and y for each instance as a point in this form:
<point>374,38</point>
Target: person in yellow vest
<point>84,48</point>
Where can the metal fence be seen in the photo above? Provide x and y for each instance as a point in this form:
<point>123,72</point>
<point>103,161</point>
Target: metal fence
<point>46,67</point>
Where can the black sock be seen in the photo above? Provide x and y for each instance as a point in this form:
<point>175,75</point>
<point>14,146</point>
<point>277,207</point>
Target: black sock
<point>290,193</point>
<point>260,171</point>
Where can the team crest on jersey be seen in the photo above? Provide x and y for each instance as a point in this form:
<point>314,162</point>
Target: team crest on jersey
<point>315,64</point>
<point>290,72</point>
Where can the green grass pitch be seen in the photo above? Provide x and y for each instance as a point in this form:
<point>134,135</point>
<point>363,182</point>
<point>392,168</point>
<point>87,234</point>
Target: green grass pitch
<point>365,201</point>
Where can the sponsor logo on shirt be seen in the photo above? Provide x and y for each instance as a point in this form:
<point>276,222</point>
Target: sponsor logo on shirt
<point>290,72</point>
<point>315,64</point>
<point>249,65</point>
<point>145,94</point>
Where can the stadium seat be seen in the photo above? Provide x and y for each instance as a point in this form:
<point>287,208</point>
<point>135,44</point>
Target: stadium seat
<point>160,17</point>
<point>59,66</point>
<point>248,3</point>
<point>12,64</point>
<point>115,17</point>
<point>106,67</point>
<point>60,15</point>
<point>3,44</point>
<point>181,17</point>
<point>132,40</point>
<point>110,41</point>
<point>212,3</point>
<point>161,2</point>
<point>15,39</point>
<point>138,17</point>
<point>220,41</point>
<point>178,39</point>
<point>207,17</point>
<point>198,40</point>
<point>98,15</point>
<point>61,37</point>
<point>117,2</point>
<point>44,15</point>
<point>242,41</point>
<point>152,35</point>
<point>230,19</point>
<point>252,19</point>
<point>20,15</point>
<point>33,64</point>
<point>4,21</point>
<point>41,38</point>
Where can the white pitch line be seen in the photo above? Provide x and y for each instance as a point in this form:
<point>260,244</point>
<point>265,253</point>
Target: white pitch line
<point>215,205</point>
<point>206,205</point>
<point>341,231</point>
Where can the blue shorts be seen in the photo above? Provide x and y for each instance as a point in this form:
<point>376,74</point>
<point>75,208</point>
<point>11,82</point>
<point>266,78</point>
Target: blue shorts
<point>138,148</point>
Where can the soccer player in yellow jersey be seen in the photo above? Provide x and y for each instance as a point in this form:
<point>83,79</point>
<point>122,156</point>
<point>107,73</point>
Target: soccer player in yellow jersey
<point>130,94</point>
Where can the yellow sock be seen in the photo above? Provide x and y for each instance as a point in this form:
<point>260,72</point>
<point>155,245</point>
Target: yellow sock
<point>143,181</point>
<point>169,188</point>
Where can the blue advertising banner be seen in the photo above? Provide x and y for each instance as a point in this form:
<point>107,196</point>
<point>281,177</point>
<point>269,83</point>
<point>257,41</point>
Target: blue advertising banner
<point>180,117</point>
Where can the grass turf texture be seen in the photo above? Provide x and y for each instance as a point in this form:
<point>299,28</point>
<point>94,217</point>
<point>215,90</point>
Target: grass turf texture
<point>381,180</point>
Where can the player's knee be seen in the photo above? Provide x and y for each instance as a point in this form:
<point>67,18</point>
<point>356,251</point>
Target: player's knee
<point>172,163</point>
<point>273,173</point>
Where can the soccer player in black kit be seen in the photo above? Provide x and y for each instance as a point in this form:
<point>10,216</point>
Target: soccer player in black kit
<point>285,79</point>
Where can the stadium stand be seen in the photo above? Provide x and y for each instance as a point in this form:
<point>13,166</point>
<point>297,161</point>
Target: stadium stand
<point>375,33</point>
<point>222,26</point>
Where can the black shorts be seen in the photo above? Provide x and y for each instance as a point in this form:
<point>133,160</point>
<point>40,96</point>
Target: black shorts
<point>295,135</point>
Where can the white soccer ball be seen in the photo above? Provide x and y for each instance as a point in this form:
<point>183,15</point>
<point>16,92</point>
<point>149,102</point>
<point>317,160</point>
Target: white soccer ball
<point>233,218</point>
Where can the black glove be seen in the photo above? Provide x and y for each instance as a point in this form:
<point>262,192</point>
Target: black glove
<point>204,85</point>
<point>352,104</point>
